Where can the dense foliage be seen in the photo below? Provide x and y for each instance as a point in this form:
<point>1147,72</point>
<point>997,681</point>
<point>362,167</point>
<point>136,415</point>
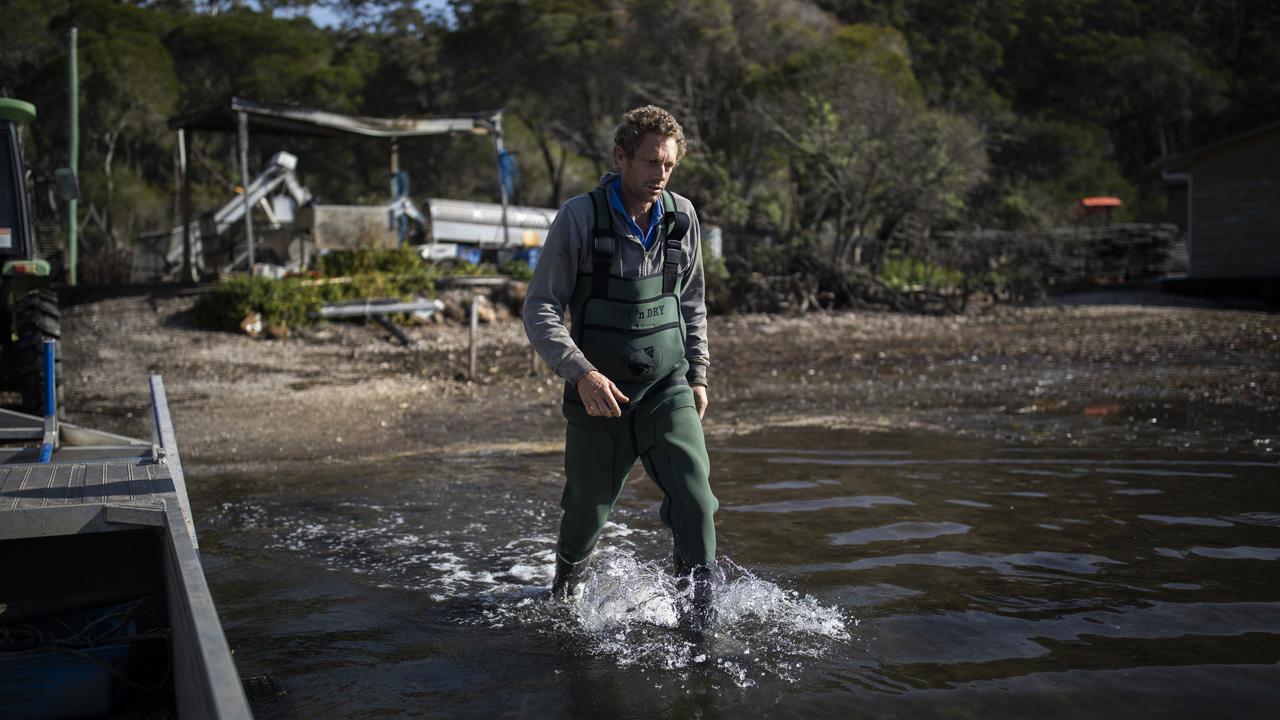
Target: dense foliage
<point>340,276</point>
<point>824,128</point>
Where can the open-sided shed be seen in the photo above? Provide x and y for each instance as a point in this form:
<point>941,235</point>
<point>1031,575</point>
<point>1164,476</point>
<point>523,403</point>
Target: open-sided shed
<point>245,117</point>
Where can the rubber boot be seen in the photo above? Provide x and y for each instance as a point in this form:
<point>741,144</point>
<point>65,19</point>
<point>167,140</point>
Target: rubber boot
<point>568,575</point>
<point>678,566</point>
<point>699,611</point>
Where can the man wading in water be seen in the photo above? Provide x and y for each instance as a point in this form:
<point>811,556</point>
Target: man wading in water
<point>625,260</point>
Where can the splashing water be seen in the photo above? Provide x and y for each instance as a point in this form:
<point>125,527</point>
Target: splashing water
<point>628,610</point>
<point>631,611</point>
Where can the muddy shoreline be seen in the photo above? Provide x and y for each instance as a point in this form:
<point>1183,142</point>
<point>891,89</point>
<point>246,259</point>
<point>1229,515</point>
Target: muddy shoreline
<point>1133,370</point>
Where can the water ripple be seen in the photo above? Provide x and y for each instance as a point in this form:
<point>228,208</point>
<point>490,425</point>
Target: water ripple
<point>899,531</point>
<point>1164,473</point>
<point>1077,564</point>
<point>857,501</point>
<point>1186,520</point>
<point>1261,519</point>
<point>795,485</point>
<point>1106,465</point>
<point>976,636</point>
<point>969,503</point>
<point>1238,553</point>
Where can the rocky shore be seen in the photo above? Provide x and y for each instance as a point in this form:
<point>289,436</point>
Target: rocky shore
<point>1131,369</point>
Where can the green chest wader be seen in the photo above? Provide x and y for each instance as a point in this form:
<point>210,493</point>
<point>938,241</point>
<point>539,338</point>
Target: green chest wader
<point>632,331</point>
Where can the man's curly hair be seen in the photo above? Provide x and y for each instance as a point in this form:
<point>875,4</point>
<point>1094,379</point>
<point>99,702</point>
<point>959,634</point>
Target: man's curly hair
<point>647,119</point>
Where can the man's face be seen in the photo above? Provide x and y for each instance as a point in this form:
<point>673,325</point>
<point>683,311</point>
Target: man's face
<point>645,174</point>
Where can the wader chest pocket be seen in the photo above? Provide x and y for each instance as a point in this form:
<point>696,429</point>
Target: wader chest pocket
<point>633,341</point>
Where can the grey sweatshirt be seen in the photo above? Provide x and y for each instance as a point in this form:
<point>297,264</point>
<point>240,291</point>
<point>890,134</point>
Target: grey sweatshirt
<point>567,252</point>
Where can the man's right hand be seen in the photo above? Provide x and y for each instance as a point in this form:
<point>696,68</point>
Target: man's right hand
<point>600,396</point>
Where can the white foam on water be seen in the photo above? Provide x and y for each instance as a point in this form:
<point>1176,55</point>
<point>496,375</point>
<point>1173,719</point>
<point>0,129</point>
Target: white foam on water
<point>633,612</point>
<point>629,609</point>
<point>623,591</point>
<point>528,573</point>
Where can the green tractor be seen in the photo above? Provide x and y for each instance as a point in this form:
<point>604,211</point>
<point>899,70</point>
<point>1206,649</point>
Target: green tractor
<point>29,312</point>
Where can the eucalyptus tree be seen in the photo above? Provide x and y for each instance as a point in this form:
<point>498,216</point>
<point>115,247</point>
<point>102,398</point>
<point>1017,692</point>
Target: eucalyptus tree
<point>558,66</point>
<point>128,90</point>
<point>866,150</point>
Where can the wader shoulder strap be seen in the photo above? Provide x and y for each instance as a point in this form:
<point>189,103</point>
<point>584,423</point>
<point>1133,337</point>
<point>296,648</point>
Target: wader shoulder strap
<point>673,252</point>
<point>603,244</point>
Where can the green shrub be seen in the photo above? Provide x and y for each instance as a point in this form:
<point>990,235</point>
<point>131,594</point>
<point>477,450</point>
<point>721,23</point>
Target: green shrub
<point>517,270</point>
<point>348,263</point>
<point>902,272</point>
<point>287,303</point>
<point>296,302</point>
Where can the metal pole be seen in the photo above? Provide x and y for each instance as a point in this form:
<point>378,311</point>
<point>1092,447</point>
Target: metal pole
<point>475,321</point>
<point>399,189</point>
<point>50,382</point>
<point>244,174</point>
<point>50,437</point>
<point>188,272</point>
<point>73,150</point>
<point>502,184</point>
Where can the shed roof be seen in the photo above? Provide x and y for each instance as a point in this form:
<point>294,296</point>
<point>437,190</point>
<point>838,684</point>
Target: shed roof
<point>289,120</point>
<point>1184,159</point>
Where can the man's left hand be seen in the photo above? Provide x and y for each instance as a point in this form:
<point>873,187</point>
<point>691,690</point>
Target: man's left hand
<point>700,399</point>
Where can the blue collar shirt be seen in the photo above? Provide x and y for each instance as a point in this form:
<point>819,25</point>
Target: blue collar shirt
<point>655,215</point>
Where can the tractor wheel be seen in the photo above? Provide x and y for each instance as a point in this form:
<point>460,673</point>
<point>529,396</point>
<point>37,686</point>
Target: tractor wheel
<point>37,319</point>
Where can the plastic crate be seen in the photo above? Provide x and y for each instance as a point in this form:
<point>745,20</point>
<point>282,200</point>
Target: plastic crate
<point>59,684</point>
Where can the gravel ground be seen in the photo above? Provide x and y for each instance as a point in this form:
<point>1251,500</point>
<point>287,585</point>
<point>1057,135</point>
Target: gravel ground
<point>1125,369</point>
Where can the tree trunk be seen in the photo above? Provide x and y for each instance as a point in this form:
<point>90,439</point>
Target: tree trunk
<point>555,169</point>
<point>111,138</point>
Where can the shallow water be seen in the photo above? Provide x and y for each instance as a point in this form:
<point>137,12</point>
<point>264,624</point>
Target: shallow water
<point>865,575</point>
